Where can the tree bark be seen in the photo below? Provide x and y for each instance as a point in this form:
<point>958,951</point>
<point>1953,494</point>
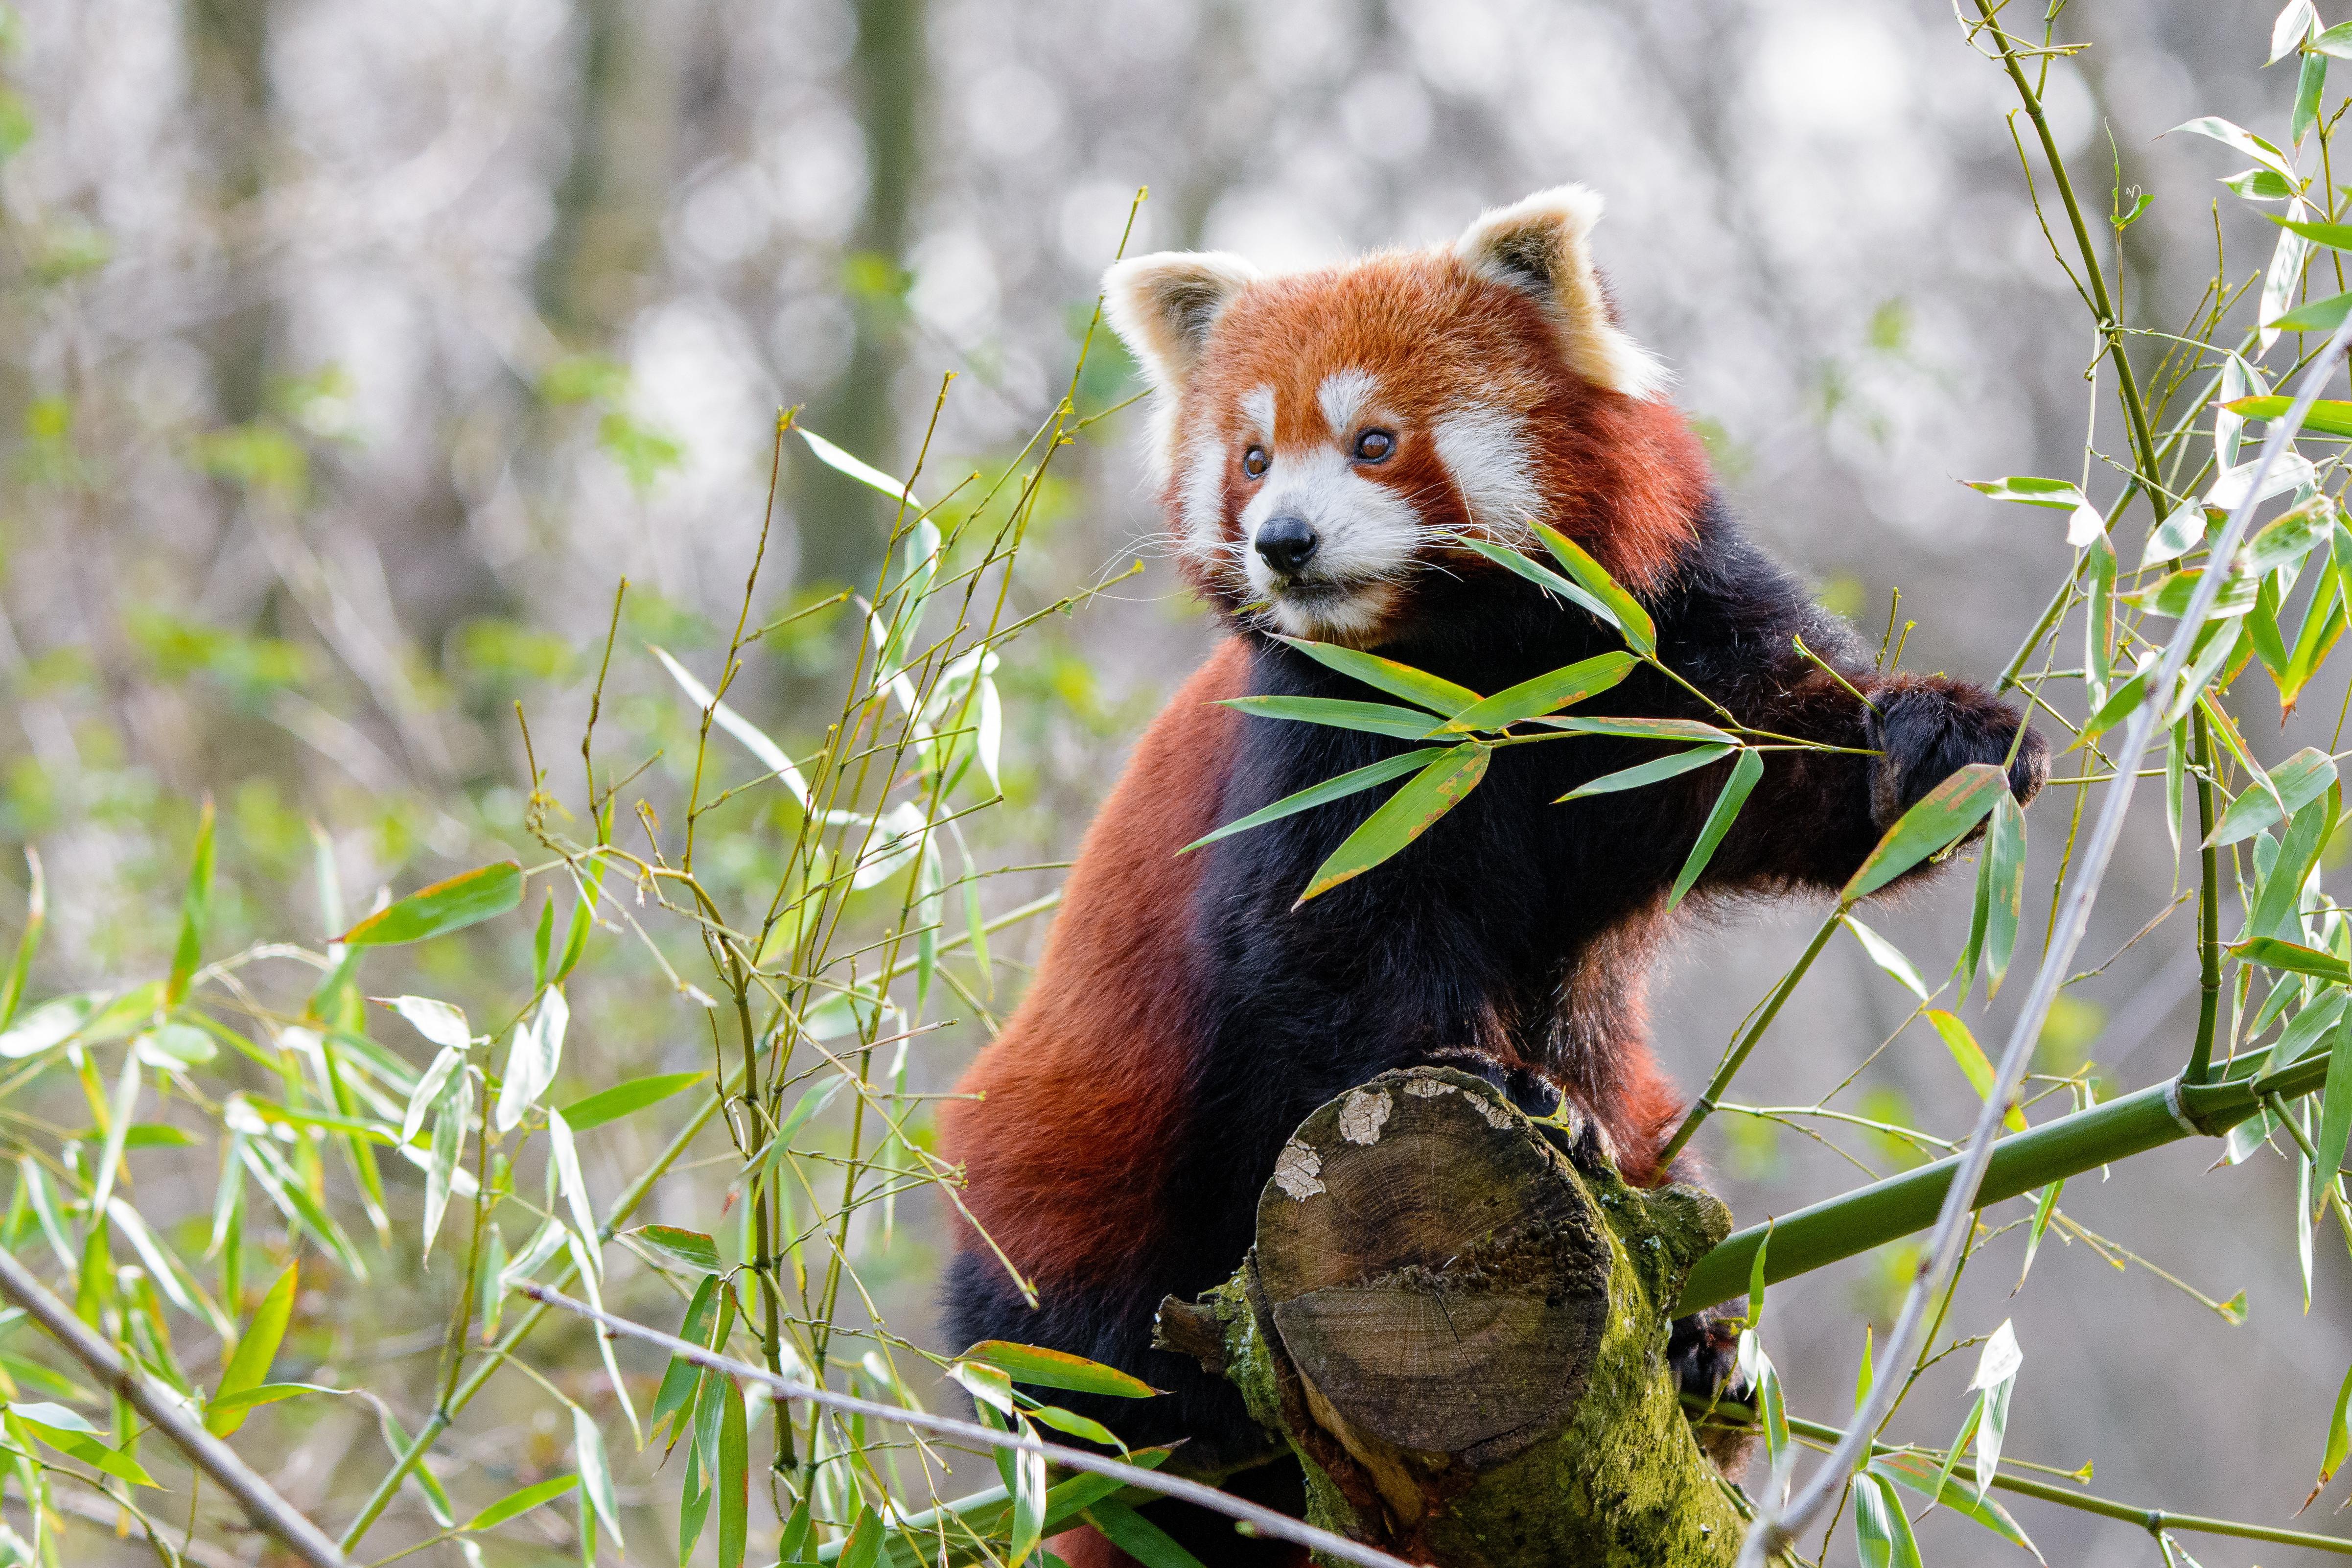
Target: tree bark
<point>1461,1333</point>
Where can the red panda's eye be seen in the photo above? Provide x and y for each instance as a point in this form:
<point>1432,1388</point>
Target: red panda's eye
<point>1374,446</point>
<point>1254,462</point>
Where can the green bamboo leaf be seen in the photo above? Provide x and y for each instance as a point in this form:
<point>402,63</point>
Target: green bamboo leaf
<point>2044,1207</point>
<point>36,909</point>
<point>2336,1102</point>
<point>734,1479</point>
<point>1744,774</point>
<point>595,1474</point>
<point>688,1250</point>
<point>1972,1060</point>
<point>680,1377</point>
<point>1646,729</point>
<point>515,1504</point>
<point>1996,1378</point>
<point>2315,315</point>
<point>1075,1424</point>
<point>194,910</point>
<point>2326,416</point>
<point>626,1097</point>
<point>1542,576</point>
<point>2300,779</point>
<point>269,1394</point>
<point>1138,1536</point>
<point>1028,1504</point>
<point>1545,694</point>
<point>1043,1368</point>
<point>2273,953</point>
<point>1403,816</point>
<point>1439,696</point>
<point>1329,790</point>
<point>2083,524</point>
<point>249,1365</point>
<point>1939,820</point>
<point>2004,881</point>
<point>1756,1281</point>
<point>1888,957</point>
<point>1630,618</point>
<point>2340,1436</point>
<point>1919,1475</point>
<point>2118,706</point>
<point>445,906</point>
<point>1865,1374</point>
<point>1647,774</point>
<point>857,469</point>
<point>810,1102</point>
<point>1373,718</point>
<point>1881,1532</point>
<point>864,1547</point>
<point>75,1441</point>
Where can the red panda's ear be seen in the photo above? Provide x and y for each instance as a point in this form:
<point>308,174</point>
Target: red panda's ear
<point>1163,306</point>
<point>1543,247</point>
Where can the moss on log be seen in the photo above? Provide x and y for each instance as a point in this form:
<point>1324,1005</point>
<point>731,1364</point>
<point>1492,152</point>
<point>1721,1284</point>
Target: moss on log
<point>1461,1333</point>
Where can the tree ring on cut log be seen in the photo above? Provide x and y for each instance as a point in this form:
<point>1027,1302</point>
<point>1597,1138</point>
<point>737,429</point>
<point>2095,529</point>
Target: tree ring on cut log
<point>1449,1291</point>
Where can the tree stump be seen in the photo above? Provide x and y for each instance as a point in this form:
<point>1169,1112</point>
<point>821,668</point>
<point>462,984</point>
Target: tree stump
<point>1461,1333</point>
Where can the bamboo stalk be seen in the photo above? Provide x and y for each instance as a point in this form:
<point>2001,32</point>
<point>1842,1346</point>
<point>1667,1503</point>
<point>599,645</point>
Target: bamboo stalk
<point>261,1501</point>
<point>1855,1221</point>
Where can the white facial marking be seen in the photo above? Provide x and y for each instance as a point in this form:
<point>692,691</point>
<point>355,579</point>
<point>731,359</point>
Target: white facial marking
<point>1487,452</point>
<point>1344,396</point>
<point>1367,538</point>
<point>1201,500</point>
<point>1257,408</point>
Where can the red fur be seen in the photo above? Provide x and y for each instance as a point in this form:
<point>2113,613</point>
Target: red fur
<point>1067,1145</point>
<point>1622,476</point>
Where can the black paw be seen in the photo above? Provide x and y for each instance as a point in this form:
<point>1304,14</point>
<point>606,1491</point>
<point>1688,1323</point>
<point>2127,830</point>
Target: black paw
<point>1927,730</point>
<point>1703,1350</point>
<point>1576,1136</point>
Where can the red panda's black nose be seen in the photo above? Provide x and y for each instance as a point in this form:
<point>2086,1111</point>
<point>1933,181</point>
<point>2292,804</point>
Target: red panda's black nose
<point>1285,543</point>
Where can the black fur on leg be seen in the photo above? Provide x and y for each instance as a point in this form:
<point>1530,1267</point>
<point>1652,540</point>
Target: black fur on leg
<point>1928,728</point>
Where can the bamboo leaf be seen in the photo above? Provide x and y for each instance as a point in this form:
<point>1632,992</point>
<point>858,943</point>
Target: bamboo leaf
<point>1138,1536</point>
<point>249,1365</point>
<point>1938,820</point>
<point>194,910</point>
<point>1919,1475</point>
<point>864,1547</point>
<point>1888,957</point>
<point>2313,316</point>
<point>452,904</point>
<point>1028,1505</point>
<point>2340,1436</point>
<point>517,1503</point>
<point>2273,953</point>
<point>1624,610</point>
<point>1545,694</point>
<point>1744,774</point>
<point>857,469</point>
<point>2335,1101</point>
<point>2298,780</point>
<point>754,740</point>
<point>1439,696</point>
<point>1542,576</point>
<point>626,1097</point>
<point>1347,783</point>
<point>680,1377</point>
<point>1973,1063</point>
<point>1403,816</point>
<point>568,1179</point>
<point>438,1021</point>
<point>688,1250</point>
<point>595,1473</point>
<point>733,1480</point>
<point>1043,1368</point>
<point>1647,774</point>
<point>1340,713</point>
<point>1646,729</point>
<point>1881,1532</point>
<point>2084,522</point>
<point>533,1059</point>
<point>2004,881</point>
<point>2326,416</point>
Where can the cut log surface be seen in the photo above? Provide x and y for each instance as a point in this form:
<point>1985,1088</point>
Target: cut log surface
<point>1461,1333</point>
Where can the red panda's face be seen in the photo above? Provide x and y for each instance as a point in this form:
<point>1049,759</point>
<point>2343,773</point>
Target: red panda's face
<point>1328,437</point>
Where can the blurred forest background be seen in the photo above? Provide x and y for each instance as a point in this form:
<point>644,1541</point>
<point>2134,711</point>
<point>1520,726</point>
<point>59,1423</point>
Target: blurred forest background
<point>349,353</point>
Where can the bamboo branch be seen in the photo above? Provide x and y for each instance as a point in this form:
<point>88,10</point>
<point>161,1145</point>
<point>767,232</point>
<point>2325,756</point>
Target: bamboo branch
<point>261,1501</point>
<point>1263,1520</point>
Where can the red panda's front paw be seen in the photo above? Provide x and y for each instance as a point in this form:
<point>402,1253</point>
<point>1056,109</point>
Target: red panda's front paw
<point>1926,729</point>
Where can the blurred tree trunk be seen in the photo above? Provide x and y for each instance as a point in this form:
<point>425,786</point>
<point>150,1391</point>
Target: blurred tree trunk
<point>607,232</point>
<point>227,44</point>
<point>841,524</point>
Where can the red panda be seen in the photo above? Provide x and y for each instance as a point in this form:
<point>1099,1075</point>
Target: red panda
<point>1323,439</point>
